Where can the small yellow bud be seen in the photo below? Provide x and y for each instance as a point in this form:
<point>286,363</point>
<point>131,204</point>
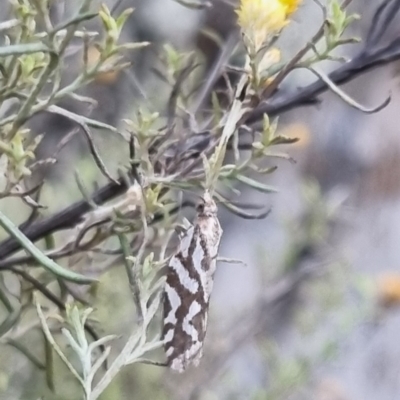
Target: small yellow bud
<point>261,19</point>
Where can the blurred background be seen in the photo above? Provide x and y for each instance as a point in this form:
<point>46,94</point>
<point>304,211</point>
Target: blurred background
<point>315,312</point>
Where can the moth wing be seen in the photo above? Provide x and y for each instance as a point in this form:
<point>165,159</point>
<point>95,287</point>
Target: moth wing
<point>194,326</point>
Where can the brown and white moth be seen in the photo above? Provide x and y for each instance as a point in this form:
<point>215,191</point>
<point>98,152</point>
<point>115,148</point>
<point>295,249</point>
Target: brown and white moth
<point>188,287</point>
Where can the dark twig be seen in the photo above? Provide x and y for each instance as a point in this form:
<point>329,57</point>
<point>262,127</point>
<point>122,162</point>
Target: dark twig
<point>38,286</point>
<point>96,156</point>
<point>307,95</point>
<point>381,21</point>
<point>215,71</point>
<point>115,6</point>
<point>64,219</point>
<point>11,262</point>
<point>50,296</point>
<point>176,90</point>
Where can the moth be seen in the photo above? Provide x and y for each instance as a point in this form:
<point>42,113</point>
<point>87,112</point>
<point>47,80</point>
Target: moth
<point>188,287</point>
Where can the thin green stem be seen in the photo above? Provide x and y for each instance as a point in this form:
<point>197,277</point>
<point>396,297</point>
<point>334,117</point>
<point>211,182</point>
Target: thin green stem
<point>50,338</point>
<point>25,110</point>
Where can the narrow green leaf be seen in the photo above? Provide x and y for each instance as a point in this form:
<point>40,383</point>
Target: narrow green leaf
<point>134,45</point>
<point>345,97</point>
<point>263,171</point>
<point>194,4</point>
<point>105,19</point>
<point>74,21</point>
<point>217,110</point>
<point>255,184</point>
<point>49,356</point>
<point>41,258</point>
<point>80,119</point>
<point>12,23</point>
<point>284,156</point>
<point>26,48</point>
<point>122,18</point>
<point>280,139</point>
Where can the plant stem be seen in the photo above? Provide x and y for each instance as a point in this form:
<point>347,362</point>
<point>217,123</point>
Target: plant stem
<point>41,258</point>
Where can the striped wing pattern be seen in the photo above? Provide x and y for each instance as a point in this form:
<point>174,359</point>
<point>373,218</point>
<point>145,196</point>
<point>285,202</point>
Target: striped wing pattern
<point>188,288</point>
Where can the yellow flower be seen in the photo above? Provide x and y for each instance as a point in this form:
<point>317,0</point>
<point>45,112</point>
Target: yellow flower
<point>261,19</point>
<point>291,6</point>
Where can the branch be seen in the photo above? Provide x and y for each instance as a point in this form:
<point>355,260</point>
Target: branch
<point>372,56</point>
<point>64,219</point>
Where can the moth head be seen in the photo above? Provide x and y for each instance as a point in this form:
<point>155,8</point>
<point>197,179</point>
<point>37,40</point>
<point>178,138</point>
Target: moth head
<point>207,206</point>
